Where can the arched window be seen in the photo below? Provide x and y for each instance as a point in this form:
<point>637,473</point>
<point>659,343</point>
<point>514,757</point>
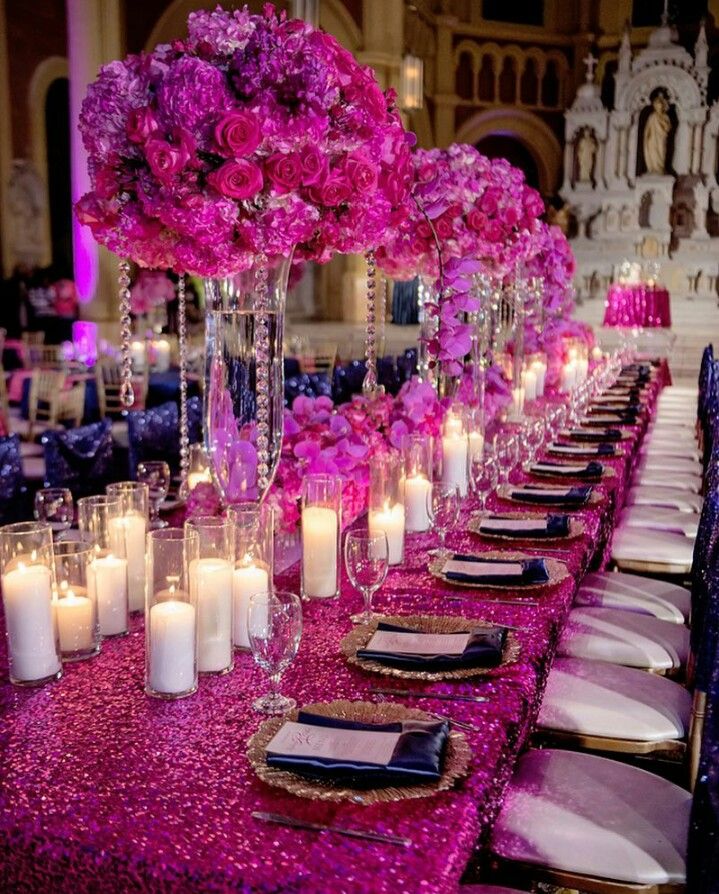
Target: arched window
<point>486,79</point>
<point>57,130</point>
<point>529,84</point>
<point>508,81</point>
<point>464,78</point>
<point>550,86</point>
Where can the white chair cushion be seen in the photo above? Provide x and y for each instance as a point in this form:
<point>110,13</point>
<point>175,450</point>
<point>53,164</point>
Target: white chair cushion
<point>658,463</point>
<point>626,638</point>
<point>586,814</point>
<point>657,519</point>
<point>33,468</point>
<point>27,449</point>
<point>671,434</point>
<point>666,497</point>
<point>676,480</point>
<point>633,593</point>
<point>676,416</point>
<point>666,548</point>
<point>120,433</point>
<point>679,391</point>
<point>682,451</point>
<point>593,698</point>
<point>21,426</point>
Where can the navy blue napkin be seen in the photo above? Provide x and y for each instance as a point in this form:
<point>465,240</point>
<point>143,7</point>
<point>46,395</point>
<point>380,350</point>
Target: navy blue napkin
<point>601,434</point>
<point>417,757</point>
<point>573,496</point>
<point>534,571</point>
<point>592,470</point>
<point>617,416</point>
<point>552,526</point>
<point>484,649</point>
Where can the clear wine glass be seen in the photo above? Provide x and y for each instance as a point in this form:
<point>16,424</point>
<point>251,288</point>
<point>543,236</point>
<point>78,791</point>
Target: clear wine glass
<point>367,563</point>
<point>483,479</point>
<point>535,439</point>
<point>274,627</point>
<point>157,476</point>
<point>55,506</point>
<point>443,505</point>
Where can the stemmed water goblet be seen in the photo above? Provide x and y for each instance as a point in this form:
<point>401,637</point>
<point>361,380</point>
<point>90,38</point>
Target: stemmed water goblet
<point>156,475</point>
<point>367,563</point>
<point>55,506</point>
<point>274,628</point>
<point>484,479</point>
<point>443,506</point>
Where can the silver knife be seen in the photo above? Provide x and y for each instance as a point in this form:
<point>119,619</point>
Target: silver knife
<point>295,823</point>
<point>470,598</point>
<point>442,696</point>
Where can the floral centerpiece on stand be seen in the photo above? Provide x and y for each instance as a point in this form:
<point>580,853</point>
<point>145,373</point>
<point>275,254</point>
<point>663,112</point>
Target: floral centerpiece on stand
<point>223,153</point>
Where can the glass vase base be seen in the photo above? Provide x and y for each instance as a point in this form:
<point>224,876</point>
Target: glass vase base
<point>31,684</point>
<point>170,696</point>
<point>274,704</point>
<point>79,654</point>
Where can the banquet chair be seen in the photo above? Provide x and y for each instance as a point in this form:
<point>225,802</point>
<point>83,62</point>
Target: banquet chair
<point>108,381</point>
<point>46,385</point>
<point>30,339</point>
<point>80,459</point>
<point>664,497</point>
<point>322,359</point>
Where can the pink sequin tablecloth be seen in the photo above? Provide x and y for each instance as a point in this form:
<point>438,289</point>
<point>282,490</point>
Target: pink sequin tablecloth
<point>104,790</point>
<point>641,306</point>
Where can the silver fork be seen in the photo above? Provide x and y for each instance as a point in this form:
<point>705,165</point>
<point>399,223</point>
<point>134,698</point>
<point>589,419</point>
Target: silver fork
<point>460,724</point>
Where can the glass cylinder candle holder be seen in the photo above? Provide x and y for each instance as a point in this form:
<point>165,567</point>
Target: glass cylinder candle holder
<point>27,569</point>
<point>253,525</point>
<point>537,364</point>
<point>211,588</point>
<point>475,433</point>
<point>455,450</point>
<point>107,580</point>
<point>321,523</point>
<point>128,535</point>
<point>74,601</point>
<point>386,513</point>
<point>417,454</point>
<point>170,614</point>
<point>199,470</point>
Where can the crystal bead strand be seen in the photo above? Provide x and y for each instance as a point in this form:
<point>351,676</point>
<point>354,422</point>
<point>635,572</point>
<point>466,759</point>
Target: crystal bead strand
<point>262,373</point>
<point>127,392</point>
<point>369,384</point>
<point>182,339</point>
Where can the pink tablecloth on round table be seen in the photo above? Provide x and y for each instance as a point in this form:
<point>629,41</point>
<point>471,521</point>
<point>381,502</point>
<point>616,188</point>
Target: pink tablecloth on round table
<point>637,305</point>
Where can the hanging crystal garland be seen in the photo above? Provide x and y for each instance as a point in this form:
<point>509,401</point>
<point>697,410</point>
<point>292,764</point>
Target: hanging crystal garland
<point>127,392</point>
<point>184,427</point>
<point>262,373</point>
<point>370,386</point>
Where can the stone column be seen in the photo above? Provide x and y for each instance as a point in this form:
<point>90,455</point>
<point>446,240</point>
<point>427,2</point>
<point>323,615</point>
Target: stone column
<point>5,148</point>
<point>94,36</point>
<point>682,147</point>
<point>631,152</point>
<point>445,97</point>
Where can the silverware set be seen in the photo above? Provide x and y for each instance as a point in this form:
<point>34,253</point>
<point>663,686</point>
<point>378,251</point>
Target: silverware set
<point>441,696</point>
<point>294,823</point>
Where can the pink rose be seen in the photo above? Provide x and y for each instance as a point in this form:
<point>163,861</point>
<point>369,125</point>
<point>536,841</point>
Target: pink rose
<point>166,159</point>
<point>395,187</point>
<point>333,191</point>
<point>361,173</point>
<point>284,170</point>
<point>494,232</point>
<point>314,165</point>
<point>476,220</point>
<point>141,124</point>
<point>238,134</point>
<point>490,200</point>
<point>424,230</point>
<point>106,183</point>
<point>511,216</point>
<point>239,179</point>
<point>443,226</point>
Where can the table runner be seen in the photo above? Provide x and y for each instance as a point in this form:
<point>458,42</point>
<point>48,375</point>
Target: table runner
<point>637,305</point>
<point>104,789</point>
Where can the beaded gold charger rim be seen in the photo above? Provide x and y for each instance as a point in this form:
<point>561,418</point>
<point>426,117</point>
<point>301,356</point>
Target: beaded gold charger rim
<point>576,527</point>
<point>457,758</point>
<point>556,569</point>
<point>607,472</point>
<point>360,635</point>
<point>505,492</point>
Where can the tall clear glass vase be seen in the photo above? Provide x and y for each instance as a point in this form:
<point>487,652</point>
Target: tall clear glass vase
<point>428,324</point>
<point>244,378</point>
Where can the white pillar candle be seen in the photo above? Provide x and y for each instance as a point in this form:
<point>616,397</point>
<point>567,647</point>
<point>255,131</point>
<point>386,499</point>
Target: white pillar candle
<point>27,596</point>
<point>137,353</point>
<point>127,538</point>
<point>211,581</point>
<point>195,478</point>
<point>172,647</point>
<point>107,583</point>
<point>416,494</point>
<point>246,581</point>
<point>319,551</point>
<point>476,445</point>
<point>582,369</point>
<point>453,424</point>
<point>540,370</point>
<point>162,355</point>
<point>529,380</point>
<point>390,521</point>
<point>517,402</point>
<point>454,462</point>
<point>75,615</point>
<point>569,376</point>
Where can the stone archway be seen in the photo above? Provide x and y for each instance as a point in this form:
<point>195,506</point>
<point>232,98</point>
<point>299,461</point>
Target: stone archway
<point>528,129</point>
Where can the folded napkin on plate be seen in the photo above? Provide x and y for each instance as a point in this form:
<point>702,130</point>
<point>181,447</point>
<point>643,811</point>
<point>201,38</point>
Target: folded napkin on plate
<point>405,647</point>
<point>550,526</point>
<point>599,434</point>
<point>572,450</point>
<point>360,754</point>
<point>591,469</point>
<point>610,417</point>
<point>502,572</point>
<point>599,408</point>
<point>574,496</point>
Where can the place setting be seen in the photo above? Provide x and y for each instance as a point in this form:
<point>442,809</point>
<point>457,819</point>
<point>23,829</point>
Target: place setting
<point>588,471</point>
<point>498,571</point>
<point>575,496</point>
<point>544,528</point>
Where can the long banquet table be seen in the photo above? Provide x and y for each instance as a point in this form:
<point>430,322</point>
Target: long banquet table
<point>104,789</point>
<point>637,305</point>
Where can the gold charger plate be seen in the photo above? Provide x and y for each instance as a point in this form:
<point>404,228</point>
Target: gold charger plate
<point>360,635</point>
<point>626,435</point>
<point>607,472</point>
<point>557,571</point>
<point>576,528</point>
<point>457,756</point>
<point>505,492</point>
<point>586,451</point>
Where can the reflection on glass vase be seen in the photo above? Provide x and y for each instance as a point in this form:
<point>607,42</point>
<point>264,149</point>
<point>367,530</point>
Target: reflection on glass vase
<point>428,325</point>
<point>244,378</point>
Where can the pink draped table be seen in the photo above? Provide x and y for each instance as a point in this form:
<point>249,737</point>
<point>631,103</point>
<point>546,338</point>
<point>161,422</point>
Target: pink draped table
<point>642,306</point>
<point>103,789</point>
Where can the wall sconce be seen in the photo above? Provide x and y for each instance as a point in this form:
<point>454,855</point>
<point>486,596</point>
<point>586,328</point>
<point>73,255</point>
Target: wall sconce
<point>411,89</point>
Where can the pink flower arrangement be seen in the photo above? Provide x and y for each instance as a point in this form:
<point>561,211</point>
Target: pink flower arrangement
<point>150,289</point>
<point>257,133</point>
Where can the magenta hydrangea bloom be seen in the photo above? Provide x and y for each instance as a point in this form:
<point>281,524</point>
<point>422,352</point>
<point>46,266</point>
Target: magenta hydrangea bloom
<point>257,133</point>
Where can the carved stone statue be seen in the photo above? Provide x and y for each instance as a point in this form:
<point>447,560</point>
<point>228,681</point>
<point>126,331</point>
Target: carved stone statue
<point>586,155</point>
<point>656,134</point>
